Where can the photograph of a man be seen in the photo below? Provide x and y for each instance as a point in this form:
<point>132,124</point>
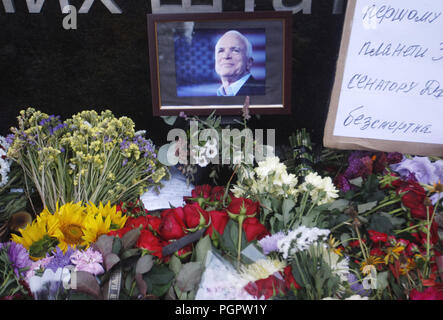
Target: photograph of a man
<point>233,63</point>
<point>218,63</point>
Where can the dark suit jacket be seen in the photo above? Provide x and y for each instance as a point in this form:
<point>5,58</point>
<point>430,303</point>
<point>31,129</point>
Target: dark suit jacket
<point>252,87</point>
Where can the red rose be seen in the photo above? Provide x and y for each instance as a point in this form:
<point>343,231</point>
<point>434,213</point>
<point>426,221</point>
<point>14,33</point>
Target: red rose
<point>377,237</point>
<point>254,229</point>
<point>203,191</point>
<point>195,216</point>
<point>219,220</point>
<point>217,193</point>
<point>154,223</point>
<point>430,293</point>
<point>172,225</point>
<point>137,222</point>
<point>150,242</point>
<point>421,236</point>
<point>266,287</point>
<point>289,279</point>
<point>243,207</point>
<point>120,232</point>
<point>414,198</point>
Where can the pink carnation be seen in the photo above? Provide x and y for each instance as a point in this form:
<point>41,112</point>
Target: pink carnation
<point>88,260</point>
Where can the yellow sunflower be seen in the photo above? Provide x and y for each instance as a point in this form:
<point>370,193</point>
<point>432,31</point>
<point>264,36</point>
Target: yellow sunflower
<point>39,237</point>
<point>118,219</point>
<point>71,218</point>
<point>95,226</point>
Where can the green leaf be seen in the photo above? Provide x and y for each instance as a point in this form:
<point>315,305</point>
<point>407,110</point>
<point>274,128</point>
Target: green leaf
<point>111,260</point>
<point>287,206</point>
<point>357,181</point>
<point>380,223</point>
<point>175,264</point>
<point>202,248</point>
<point>116,245</point>
<point>87,283</point>
<point>130,253</point>
<point>169,120</point>
<point>361,208</point>
<point>144,264</point>
<point>395,221</point>
<point>226,240</point>
<point>382,280</point>
<point>189,276</point>
<point>340,204</point>
<point>104,244</point>
<point>160,275</point>
<point>130,238</point>
<point>276,204</point>
<point>129,279</point>
<point>344,239</point>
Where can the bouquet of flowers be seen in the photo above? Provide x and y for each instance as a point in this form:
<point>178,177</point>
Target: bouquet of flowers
<point>90,157</point>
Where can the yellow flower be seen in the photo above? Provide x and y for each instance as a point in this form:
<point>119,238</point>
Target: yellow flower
<point>393,253</point>
<point>39,237</point>
<point>335,246</point>
<point>437,187</point>
<point>71,218</point>
<point>368,265</point>
<point>118,219</point>
<point>95,226</point>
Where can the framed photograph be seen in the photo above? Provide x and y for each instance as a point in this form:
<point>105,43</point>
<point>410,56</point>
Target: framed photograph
<point>207,61</point>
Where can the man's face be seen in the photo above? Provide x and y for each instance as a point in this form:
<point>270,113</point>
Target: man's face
<point>231,62</point>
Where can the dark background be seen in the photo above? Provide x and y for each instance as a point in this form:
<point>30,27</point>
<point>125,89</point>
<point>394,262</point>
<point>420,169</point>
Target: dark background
<point>104,64</point>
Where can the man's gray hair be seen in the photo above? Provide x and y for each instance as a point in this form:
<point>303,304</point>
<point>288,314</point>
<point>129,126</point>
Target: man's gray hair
<point>245,40</point>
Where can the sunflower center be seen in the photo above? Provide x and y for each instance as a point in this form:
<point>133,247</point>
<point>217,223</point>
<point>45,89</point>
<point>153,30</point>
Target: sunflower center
<point>73,234</point>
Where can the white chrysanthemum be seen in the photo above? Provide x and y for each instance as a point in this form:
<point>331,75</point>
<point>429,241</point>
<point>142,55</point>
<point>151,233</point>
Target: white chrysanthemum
<point>314,179</point>
<point>300,239</point>
<point>328,187</point>
<point>339,266</point>
<point>321,190</point>
<point>270,164</point>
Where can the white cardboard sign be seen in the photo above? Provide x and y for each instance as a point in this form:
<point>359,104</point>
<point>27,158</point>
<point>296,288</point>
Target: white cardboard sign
<point>388,91</point>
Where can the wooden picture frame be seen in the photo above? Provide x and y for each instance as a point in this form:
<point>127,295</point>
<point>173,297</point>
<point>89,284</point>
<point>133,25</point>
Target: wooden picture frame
<point>182,63</point>
<point>384,36</point>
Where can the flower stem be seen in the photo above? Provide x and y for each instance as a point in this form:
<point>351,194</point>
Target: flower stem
<point>381,206</point>
<point>240,223</point>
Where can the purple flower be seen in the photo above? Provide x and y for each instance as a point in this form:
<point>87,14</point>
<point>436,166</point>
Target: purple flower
<point>394,157</point>
<point>342,183</point>
<point>424,171</point>
<point>18,255</point>
<point>270,243</point>
<point>358,167</point>
<point>10,138</point>
<point>60,259</point>
<point>356,286</point>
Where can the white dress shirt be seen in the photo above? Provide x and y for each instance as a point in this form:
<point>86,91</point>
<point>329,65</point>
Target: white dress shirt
<point>234,88</point>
